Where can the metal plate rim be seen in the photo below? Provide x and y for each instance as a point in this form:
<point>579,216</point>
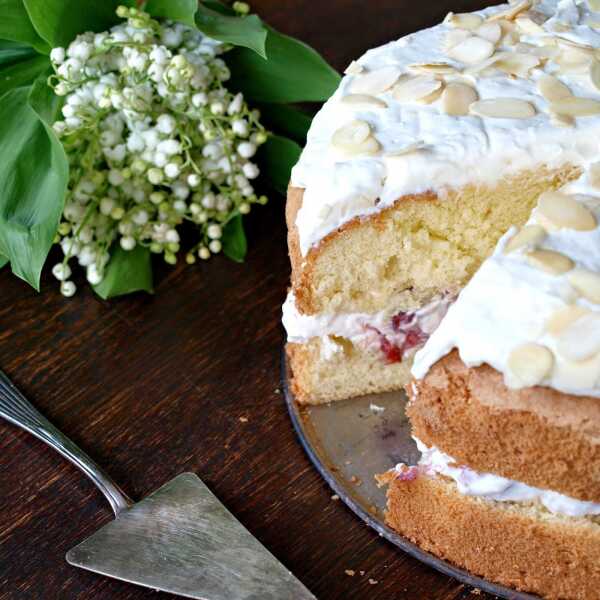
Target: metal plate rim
<point>377,524</point>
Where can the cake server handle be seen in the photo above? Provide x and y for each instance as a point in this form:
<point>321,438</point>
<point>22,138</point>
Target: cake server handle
<point>14,407</point>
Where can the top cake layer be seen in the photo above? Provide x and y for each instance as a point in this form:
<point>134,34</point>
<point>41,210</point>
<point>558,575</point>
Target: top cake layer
<point>468,101</point>
<point>532,311</point>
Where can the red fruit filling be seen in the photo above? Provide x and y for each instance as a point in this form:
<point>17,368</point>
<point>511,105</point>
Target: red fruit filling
<point>407,473</point>
<point>409,332</point>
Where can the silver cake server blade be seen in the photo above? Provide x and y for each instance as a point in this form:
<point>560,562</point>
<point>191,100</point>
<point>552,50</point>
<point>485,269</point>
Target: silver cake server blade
<point>179,539</point>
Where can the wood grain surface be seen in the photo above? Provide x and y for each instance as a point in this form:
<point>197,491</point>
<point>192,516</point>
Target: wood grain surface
<point>152,386</point>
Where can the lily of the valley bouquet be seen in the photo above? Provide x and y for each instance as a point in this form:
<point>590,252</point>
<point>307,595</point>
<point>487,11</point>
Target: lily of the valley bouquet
<point>132,129</point>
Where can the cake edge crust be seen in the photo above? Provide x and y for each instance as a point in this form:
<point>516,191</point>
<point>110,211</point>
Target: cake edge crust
<point>540,436</point>
<point>496,541</point>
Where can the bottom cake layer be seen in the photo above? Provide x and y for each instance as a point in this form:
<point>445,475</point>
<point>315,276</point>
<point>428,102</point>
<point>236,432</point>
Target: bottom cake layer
<point>519,545</point>
<point>347,371</point>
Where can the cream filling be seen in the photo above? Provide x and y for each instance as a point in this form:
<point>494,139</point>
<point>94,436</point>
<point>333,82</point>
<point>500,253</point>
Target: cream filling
<point>363,329</point>
<point>500,489</point>
<point>510,302</point>
<point>452,151</point>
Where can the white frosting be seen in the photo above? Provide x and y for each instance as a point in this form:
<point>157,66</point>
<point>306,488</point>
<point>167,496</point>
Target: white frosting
<point>457,150</point>
<point>362,329</point>
<point>509,302</point>
<point>500,489</point>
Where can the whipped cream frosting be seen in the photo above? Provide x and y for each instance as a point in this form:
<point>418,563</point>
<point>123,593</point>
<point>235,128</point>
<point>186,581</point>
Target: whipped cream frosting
<point>362,329</point>
<point>452,151</point>
<point>493,487</point>
<point>510,302</point>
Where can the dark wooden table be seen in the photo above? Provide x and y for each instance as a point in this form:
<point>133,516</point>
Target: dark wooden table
<point>188,380</point>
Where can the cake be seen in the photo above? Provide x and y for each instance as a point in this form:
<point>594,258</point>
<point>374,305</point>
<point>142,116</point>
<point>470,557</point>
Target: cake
<point>446,212</point>
<point>432,148</point>
<point>505,409</point>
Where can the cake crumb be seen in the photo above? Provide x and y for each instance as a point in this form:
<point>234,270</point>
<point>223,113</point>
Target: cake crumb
<point>376,409</point>
<point>476,592</point>
<point>348,462</point>
<point>243,419</point>
<point>373,581</point>
<point>361,573</point>
<point>356,480</point>
<point>277,391</point>
<point>350,572</point>
<point>335,497</point>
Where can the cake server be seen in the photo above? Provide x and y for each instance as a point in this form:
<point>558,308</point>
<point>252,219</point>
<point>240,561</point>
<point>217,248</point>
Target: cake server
<point>179,539</point>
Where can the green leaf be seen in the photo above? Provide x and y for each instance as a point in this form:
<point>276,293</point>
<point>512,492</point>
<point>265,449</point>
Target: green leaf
<point>44,101</point>
<point>249,31</point>
<point>15,25</point>
<point>233,239</point>
<point>219,7</point>
<point>128,271</point>
<point>285,119</point>
<point>293,72</point>
<point>33,182</point>
<point>3,261</point>
<point>276,158</point>
<point>60,21</point>
<point>22,73</point>
<point>175,10</point>
<point>12,52</point>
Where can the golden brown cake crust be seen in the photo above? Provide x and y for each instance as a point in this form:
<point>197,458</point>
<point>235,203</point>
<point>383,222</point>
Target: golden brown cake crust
<point>538,435</point>
<point>557,558</point>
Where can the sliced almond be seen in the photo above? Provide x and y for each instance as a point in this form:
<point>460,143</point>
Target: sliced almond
<point>576,107</point>
<point>375,82</point>
<point>369,146</point>
<point>530,235</point>
<point>435,68</point>
<point>572,59</point>
<point>561,120</point>
<point>594,174</point>
<point>463,20</point>
<point>472,50</point>
<point>545,52</point>
<point>512,11</point>
<point>454,37</point>
<point>518,64</point>
<point>488,62</point>
<point>561,211</point>
<point>562,318</point>
<point>408,149</point>
<point>351,135</point>
<point>490,31</point>
<point>552,88</point>
<point>354,68</point>
<point>595,73</point>
<point>503,108</point>
<point>529,364</point>
<point>363,100</point>
<point>581,339</point>
<point>457,97</point>
<point>527,25</point>
<point>549,261</point>
<point>587,283</point>
<point>415,88</point>
<point>430,98</point>
<point>587,48</point>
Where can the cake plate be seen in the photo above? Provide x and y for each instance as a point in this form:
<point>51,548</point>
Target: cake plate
<point>350,441</point>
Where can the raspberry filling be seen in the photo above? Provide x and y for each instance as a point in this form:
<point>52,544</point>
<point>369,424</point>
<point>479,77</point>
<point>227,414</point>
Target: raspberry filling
<point>406,336</point>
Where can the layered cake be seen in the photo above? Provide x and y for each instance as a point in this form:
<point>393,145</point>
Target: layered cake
<point>505,409</point>
<point>430,150</point>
